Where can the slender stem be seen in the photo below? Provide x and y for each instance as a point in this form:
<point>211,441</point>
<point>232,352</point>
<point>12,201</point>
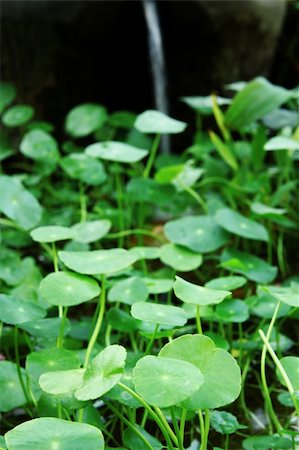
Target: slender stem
<point>166,424</point>
<point>18,364</point>
<point>152,156</point>
<point>202,430</point>
<point>195,195</point>
<point>207,427</point>
<point>55,257</point>
<point>263,374</point>
<point>83,207</point>
<point>131,426</point>
<point>62,315</point>
<point>176,428</point>
<point>151,341</point>
<point>150,411</point>
<point>102,300</point>
<point>198,322</point>
<point>182,424</point>
<point>281,370</point>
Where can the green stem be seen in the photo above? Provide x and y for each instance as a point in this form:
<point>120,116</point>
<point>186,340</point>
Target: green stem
<point>83,207</point>
<point>150,411</point>
<point>152,156</point>
<point>176,428</point>
<point>62,315</point>
<point>130,425</point>
<point>151,341</point>
<point>202,429</point>
<point>281,370</point>
<point>195,195</point>
<point>207,427</point>
<point>198,321</point>
<point>182,424</point>
<point>166,424</point>
<point>55,257</point>
<point>102,300</point>
<point>18,364</point>
<point>266,392</point>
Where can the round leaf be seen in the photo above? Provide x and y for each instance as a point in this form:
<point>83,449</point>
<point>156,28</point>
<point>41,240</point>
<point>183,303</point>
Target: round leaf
<point>198,233</point>
<point>87,232</point>
<point>291,366</point>
<point>116,151</point>
<point>288,295</point>
<point>46,328</point>
<point>14,311</point>
<point>240,225</point>
<point>273,442</point>
<point>98,261</point>
<point>84,168</point>
<point>165,382</point>
<point>224,422</point>
<point>17,115</point>
<point>12,394</point>
<point>226,283</point>
<point>159,314</point>
<point>221,373</point>
<point>198,295</point>
<point>40,146</point>
<point>68,289</point>
<point>146,252</point>
<point>85,119</point>
<point>19,204</point>
<point>129,291</point>
<point>104,371</point>
<point>180,258</point>
<point>153,121</point>
<point>62,381</point>
<point>158,285</point>
<point>233,310</point>
<point>49,433</point>
<point>51,233</point>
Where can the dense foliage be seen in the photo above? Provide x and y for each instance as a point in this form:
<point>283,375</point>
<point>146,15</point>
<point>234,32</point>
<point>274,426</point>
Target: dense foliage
<point>150,300</point>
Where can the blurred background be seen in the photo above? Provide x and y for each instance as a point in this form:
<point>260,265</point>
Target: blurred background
<point>62,53</point>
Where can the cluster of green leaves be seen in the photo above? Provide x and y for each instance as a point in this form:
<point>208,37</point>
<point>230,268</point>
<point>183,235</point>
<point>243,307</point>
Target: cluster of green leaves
<point>141,292</point>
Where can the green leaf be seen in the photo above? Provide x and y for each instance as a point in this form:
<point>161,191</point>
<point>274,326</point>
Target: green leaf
<point>146,252</point>
<point>281,143</point>
<point>11,270</point>
<point>46,328</point>
<point>61,381</point>
<point>91,231</point>
<point>240,225</point>
<point>221,373</point>
<point>252,267</point>
<point>288,295</point>
<point>233,310</point>
<point>49,433</point>
<point>180,258</point>
<point>158,285</point>
<point>103,372</point>
<point>255,100</point>
<point>17,116</point>
<point>14,311</point>
<point>98,261</point>
<point>198,233</point>
<point>274,442</point>
<point>291,366</point>
<point>68,289</point>
<point>18,204</point>
<point>7,95</point>
<point>204,105</point>
<point>85,119</point>
<point>39,146</point>
<point>51,233</point>
<point>266,211</point>
<point>224,151</point>
<point>224,422</point>
<point>165,382</point>
<point>84,168</point>
<point>197,295</point>
<point>50,360</point>
<point>226,283</point>
<point>153,121</point>
<point>12,394</point>
<point>159,314</point>
<point>116,151</point>
<point>129,291</point>
<point>133,441</point>
<point>122,321</point>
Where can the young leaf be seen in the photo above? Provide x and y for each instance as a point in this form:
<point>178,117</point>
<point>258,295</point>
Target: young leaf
<point>85,119</point>
<point>152,121</point>
<point>116,151</point>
